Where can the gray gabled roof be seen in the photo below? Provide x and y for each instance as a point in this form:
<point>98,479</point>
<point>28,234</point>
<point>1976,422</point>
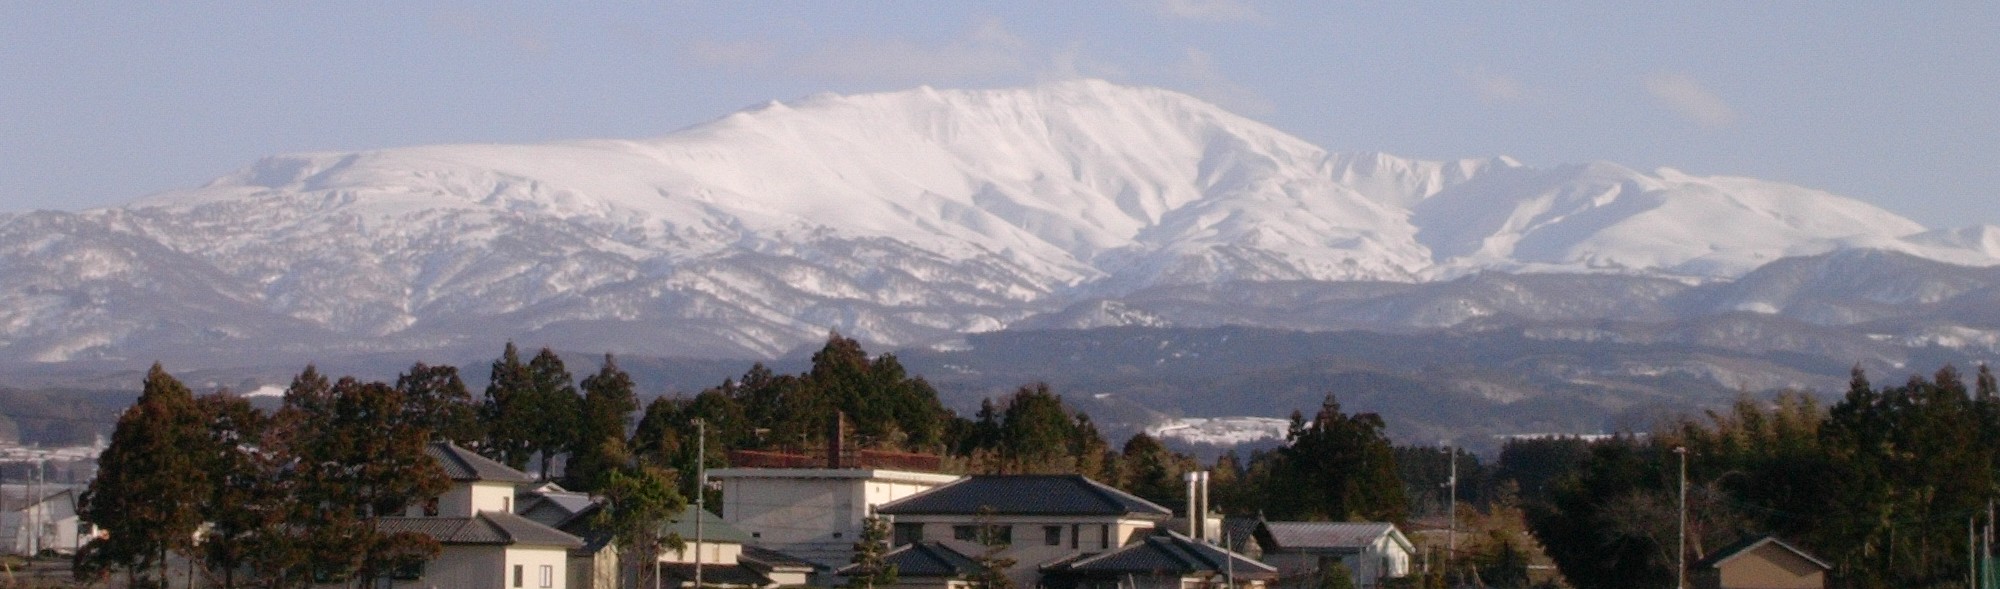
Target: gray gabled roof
<point>713,529</point>
<point>1332,536</point>
<point>1744,546</point>
<point>1066,494</point>
<point>488,527</point>
<point>1171,554</point>
<point>769,560</point>
<point>465,465</point>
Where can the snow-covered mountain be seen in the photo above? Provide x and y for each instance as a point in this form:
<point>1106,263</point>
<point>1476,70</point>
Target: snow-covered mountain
<point>900,218</point>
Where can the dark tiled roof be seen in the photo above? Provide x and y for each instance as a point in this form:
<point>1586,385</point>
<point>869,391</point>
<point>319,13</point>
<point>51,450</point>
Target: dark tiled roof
<point>1026,495</point>
<point>929,559</point>
<point>771,559</point>
<point>1716,558</point>
<point>555,509</point>
<point>489,527</point>
<point>464,465</point>
<point>713,529</point>
<point>679,574</point>
<point>1325,535</point>
<point>1171,554</point>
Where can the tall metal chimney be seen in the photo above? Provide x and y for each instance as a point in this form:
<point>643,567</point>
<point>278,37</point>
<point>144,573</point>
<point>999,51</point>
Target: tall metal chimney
<point>1202,527</point>
<point>1193,504</point>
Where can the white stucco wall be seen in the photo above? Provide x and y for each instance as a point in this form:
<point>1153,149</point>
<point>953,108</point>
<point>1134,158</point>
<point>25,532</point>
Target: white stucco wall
<point>812,513</point>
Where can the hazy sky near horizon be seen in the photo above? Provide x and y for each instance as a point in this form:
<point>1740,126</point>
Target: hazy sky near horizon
<point>1896,104</point>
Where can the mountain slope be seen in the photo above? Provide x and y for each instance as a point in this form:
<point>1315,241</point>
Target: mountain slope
<point>900,218</point>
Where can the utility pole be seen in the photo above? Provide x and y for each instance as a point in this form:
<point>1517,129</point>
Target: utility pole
<point>1451,508</point>
<point>1680,556</point>
<point>700,490</point>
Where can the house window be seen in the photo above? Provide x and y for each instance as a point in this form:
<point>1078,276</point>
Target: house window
<point>995,535</point>
<point>408,570</point>
<point>517,575</point>
<point>908,533</point>
<point>1052,535</point>
<point>548,575</point>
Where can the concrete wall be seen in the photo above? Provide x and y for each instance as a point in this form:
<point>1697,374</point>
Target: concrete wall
<point>812,513</point>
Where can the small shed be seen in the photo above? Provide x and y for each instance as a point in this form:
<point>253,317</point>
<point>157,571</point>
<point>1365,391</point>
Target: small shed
<point>1762,562</point>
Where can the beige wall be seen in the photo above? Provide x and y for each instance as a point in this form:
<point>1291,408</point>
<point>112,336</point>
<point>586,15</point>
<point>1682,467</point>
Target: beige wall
<point>711,553</point>
<point>1770,566</point>
<point>598,571</point>
<point>465,499</point>
<point>461,567</point>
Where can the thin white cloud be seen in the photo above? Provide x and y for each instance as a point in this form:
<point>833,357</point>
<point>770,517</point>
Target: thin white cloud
<point>1493,87</point>
<point>1207,10</point>
<point>988,50</point>
<point>743,53</point>
<point>1207,81</point>
<point>1687,97</point>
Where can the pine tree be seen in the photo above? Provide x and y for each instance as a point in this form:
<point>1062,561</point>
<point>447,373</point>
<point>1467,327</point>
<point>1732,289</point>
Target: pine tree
<point>608,401</point>
<point>148,491</point>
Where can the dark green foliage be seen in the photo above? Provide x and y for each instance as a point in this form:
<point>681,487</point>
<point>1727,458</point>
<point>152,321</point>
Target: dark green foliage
<point>358,459</point>
<point>1502,564</point>
<point>147,477</point>
<point>1153,472</point>
<point>556,405</point>
<point>1882,486</point>
<point>509,411</point>
<point>638,503</point>
<point>246,498</point>
<point>1426,471</point>
<point>1336,467</point>
<point>1334,575</point>
<point>608,402</point>
<point>869,550</point>
<point>437,400</point>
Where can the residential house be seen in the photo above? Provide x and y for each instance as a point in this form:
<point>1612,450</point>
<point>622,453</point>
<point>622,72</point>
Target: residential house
<point>1373,552</point>
<point>725,558</point>
<point>485,545</point>
<point>46,523</point>
<point>814,512</point>
<point>594,564</point>
<point>1032,520</point>
<point>1762,562</point>
<point>1166,560</point>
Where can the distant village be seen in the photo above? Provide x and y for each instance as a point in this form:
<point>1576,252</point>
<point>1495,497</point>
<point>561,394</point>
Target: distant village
<point>851,475</point>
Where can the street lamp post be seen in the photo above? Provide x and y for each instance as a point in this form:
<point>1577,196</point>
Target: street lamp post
<point>1680,555</point>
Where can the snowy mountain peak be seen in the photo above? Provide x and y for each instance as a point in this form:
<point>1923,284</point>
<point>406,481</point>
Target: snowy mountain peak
<point>895,217</point>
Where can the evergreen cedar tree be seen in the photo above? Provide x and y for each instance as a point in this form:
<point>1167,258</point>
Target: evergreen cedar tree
<point>289,498</point>
<point>146,465</point>
<point>1882,486</point>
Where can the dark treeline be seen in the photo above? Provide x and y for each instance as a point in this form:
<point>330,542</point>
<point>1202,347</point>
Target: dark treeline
<point>1887,485</point>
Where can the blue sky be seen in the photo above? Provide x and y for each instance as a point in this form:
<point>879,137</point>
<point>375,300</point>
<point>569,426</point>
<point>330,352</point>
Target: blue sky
<point>101,103</point>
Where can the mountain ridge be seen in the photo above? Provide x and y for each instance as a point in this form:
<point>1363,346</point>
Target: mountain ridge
<point>903,218</point>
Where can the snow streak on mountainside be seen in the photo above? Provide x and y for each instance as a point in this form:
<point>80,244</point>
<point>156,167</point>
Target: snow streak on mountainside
<point>900,218</point>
